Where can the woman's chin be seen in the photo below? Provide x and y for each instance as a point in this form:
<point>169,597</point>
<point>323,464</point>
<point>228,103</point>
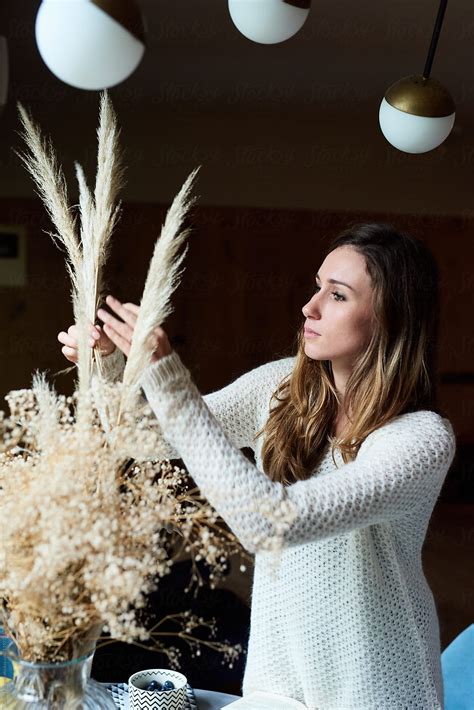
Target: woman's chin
<point>312,351</point>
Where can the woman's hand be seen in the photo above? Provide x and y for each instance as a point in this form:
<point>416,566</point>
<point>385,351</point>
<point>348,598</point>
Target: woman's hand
<point>97,339</point>
<point>120,331</point>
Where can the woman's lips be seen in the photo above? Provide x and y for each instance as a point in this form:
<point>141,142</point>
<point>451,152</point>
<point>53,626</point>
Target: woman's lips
<point>310,333</point>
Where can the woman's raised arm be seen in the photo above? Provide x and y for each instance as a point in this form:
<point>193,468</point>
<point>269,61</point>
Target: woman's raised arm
<point>398,468</point>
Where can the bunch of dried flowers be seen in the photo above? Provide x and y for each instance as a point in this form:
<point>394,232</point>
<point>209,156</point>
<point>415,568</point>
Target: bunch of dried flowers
<point>87,532</point>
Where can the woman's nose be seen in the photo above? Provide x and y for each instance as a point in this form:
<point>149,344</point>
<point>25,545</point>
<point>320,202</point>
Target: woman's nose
<point>310,308</point>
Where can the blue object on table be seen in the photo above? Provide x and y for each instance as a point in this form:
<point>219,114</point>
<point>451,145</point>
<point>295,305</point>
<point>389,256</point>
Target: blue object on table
<point>6,668</point>
<point>457,663</point>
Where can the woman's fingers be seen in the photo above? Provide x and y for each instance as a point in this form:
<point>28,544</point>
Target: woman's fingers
<point>120,332</point>
<point>71,341</point>
<point>116,331</point>
<point>73,331</point>
<point>123,329</point>
<point>132,307</point>
<point>97,339</point>
<point>104,344</point>
<point>117,338</point>
<point>67,339</point>
<point>69,353</point>
<point>128,312</point>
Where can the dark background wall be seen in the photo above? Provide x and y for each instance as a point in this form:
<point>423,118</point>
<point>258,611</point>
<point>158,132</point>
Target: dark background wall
<point>291,152</point>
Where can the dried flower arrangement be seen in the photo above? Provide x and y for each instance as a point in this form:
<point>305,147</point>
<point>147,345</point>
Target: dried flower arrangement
<point>87,532</point>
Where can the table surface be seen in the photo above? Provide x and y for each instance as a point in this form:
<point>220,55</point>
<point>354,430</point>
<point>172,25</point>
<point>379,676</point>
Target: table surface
<point>210,700</point>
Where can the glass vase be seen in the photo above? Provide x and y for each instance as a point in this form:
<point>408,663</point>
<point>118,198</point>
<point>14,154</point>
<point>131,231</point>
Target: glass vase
<point>65,685</point>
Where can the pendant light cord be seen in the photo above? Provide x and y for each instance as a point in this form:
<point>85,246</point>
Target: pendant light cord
<point>434,38</point>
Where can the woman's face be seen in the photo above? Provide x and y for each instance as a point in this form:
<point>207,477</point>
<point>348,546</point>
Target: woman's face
<point>343,316</point>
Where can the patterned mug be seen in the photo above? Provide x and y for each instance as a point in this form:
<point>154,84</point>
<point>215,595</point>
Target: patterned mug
<point>141,699</point>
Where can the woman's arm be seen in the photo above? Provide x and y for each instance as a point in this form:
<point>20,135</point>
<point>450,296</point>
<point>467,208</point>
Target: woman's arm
<point>397,467</point>
<point>234,405</point>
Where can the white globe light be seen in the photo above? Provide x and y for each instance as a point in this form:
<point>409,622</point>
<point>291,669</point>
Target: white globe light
<point>413,134</point>
<point>269,21</point>
<point>416,114</point>
<point>90,44</point>
<point>3,72</point>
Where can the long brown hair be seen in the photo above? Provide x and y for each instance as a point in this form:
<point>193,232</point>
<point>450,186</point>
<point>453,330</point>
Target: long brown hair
<point>393,376</point>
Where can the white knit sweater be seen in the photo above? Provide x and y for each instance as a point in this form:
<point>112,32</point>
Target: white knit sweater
<point>348,622</point>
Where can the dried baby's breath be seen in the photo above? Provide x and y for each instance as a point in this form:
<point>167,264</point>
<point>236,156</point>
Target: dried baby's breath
<point>86,533</point>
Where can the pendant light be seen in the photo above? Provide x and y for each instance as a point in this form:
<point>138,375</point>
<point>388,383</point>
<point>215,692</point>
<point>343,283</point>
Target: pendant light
<point>417,113</point>
<point>90,44</point>
<point>269,21</point>
<point>3,73</point>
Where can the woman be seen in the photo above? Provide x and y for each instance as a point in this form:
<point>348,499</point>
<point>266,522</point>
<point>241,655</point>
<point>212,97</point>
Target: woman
<point>354,446</point>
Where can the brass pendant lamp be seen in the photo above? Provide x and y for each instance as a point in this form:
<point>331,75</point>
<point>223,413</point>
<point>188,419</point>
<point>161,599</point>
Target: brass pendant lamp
<point>417,113</point>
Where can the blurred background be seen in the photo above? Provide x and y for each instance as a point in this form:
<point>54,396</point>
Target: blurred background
<point>291,152</point>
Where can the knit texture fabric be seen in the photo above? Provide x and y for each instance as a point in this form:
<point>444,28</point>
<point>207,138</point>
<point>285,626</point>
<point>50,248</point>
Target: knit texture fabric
<point>347,620</point>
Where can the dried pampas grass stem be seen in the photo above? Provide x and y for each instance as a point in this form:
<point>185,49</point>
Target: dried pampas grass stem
<point>42,164</point>
<point>98,216</point>
<point>163,277</point>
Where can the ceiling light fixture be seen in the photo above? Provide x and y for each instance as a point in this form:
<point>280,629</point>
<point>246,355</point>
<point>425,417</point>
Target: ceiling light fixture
<point>269,21</point>
<point>417,113</point>
<point>90,44</point>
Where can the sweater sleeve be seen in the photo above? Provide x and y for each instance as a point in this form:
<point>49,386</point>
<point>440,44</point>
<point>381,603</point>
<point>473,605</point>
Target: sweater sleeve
<point>113,366</point>
<point>234,405</point>
<point>397,466</point>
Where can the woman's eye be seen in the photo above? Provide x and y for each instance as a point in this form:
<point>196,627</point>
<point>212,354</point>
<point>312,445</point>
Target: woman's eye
<point>340,297</point>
